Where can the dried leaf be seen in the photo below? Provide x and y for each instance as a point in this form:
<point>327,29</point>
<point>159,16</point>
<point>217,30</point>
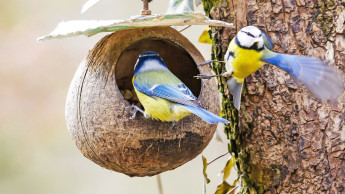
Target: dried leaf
<point>235,182</point>
<point>224,188</point>
<point>205,37</point>
<point>89,4</point>
<point>218,137</point>
<point>127,94</point>
<point>180,6</point>
<point>204,163</point>
<point>227,169</point>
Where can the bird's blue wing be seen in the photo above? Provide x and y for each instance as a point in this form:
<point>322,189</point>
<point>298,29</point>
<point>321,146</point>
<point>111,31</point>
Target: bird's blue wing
<point>179,94</point>
<point>315,74</point>
<point>267,41</point>
<point>175,93</point>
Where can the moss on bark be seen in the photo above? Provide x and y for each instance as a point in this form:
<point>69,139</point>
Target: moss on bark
<point>233,132</point>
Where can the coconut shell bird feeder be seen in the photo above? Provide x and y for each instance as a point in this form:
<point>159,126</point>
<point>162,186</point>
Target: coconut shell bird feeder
<point>98,107</point>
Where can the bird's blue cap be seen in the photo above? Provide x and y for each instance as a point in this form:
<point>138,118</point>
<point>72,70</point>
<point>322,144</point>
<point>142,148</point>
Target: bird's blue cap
<point>149,54</point>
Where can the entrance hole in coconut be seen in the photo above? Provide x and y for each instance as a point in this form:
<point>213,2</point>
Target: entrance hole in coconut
<point>178,61</point>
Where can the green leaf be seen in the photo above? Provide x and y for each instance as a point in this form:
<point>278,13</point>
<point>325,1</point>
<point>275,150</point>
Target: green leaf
<point>227,169</point>
<point>204,163</point>
<point>224,188</point>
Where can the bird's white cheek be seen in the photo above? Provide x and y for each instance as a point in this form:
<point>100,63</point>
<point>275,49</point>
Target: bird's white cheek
<point>228,66</point>
<point>260,44</point>
<point>244,40</point>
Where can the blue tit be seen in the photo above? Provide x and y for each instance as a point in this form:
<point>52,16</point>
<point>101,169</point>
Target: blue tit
<point>163,96</point>
<point>250,49</point>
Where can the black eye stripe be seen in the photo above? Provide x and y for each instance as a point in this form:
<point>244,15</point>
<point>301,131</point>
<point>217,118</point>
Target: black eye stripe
<point>249,34</point>
<point>253,47</point>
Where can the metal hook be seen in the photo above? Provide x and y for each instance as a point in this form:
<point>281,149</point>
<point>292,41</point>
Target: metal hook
<point>145,10</point>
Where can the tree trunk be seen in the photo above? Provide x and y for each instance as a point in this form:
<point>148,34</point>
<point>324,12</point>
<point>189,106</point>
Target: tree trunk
<point>285,140</point>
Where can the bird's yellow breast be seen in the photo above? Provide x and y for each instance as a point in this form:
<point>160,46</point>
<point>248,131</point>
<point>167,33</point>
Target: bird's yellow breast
<point>245,62</point>
<point>161,109</point>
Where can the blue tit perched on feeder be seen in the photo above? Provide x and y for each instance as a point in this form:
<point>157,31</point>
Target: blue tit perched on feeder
<point>250,49</point>
<point>164,96</point>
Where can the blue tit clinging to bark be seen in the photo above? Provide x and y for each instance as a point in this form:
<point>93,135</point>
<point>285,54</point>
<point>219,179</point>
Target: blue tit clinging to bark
<point>163,96</point>
<point>250,49</point>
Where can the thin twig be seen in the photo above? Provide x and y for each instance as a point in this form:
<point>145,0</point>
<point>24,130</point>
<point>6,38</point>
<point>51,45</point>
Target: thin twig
<point>185,28</point>
<point>159,182</point>
<point>204,184</point>
<point>217,158</point>
<point>233,189</point>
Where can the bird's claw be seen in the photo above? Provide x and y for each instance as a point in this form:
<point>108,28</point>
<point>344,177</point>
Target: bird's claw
<point>135,109</point>
<point>228,74</point>
<point>206,63</point>
<point>173,123</point>
<point>134,114</point>
<point>203,76</point>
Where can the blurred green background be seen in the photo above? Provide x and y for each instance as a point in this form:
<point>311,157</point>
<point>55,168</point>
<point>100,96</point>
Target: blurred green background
<point>37,154</point>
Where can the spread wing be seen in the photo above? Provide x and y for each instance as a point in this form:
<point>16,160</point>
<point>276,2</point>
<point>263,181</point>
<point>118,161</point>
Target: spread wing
<point>320,78</point>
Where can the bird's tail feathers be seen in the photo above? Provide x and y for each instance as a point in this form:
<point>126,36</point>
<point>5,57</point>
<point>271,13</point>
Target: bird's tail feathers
<point>205,115</point>
<point>235,89</point>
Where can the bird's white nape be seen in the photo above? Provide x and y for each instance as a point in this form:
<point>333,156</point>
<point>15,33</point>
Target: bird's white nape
<point>151,64</point>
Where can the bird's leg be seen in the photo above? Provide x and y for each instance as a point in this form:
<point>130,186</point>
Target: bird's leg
<point>173,123</point>
<point>228,73</point>
<point>207,76</point>
<point>209,62</point>
<point>136,109</point>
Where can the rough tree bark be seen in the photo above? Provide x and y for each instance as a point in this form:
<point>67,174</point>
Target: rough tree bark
<point>285,140</point>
